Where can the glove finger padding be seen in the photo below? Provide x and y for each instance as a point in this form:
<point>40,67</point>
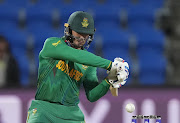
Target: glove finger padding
<point>114,66</point>
<point>122,71</point>
<point>118,59</point>
<point>118,84</point>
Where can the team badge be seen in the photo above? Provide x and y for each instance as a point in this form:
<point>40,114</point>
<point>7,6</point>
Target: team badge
<point>85,23</point>
<point>84,67</point>
<point>55,44</point>
<point>34,111</point>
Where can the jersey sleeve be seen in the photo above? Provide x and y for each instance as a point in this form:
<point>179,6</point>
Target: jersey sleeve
<point>93,89</point>
<point>56,48</point>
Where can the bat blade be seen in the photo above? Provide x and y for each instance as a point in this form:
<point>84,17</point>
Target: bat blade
<point>114,91</point>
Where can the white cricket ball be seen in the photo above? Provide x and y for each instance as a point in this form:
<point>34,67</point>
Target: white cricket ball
<point>130,107</point>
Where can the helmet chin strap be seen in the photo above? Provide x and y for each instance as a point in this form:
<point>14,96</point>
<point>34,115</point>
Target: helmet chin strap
<point>86,45</point>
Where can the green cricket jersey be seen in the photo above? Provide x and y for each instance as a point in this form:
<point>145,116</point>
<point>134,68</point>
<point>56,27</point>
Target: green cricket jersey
<point>62,69</point>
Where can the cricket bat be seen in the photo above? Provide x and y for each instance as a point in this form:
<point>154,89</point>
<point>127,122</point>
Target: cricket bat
<point>114,91</point>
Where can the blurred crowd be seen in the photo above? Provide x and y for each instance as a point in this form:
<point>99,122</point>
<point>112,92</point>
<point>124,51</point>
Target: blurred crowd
<point>9,70</point>
<point>13,64</point>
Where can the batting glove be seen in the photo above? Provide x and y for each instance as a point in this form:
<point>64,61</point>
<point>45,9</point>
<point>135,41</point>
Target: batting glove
<point>119,73</point>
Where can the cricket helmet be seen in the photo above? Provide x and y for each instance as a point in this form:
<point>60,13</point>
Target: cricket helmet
<point>80,22</point>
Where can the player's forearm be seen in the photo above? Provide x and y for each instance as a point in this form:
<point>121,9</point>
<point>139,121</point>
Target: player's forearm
<point>64,52</point>
<point>97,92</point>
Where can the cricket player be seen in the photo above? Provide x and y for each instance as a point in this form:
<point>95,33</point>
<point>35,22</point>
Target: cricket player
<point>65,64</point>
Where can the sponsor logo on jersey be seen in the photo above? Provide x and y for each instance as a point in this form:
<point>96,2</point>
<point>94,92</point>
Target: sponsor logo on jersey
<point>85,23</point>
<point>75,74</point>
<point>55,44</point>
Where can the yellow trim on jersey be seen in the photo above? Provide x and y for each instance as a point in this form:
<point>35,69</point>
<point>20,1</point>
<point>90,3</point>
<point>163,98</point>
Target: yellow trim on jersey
<point>107,81</point>
<point>27,117</point>
<point>109,65</point>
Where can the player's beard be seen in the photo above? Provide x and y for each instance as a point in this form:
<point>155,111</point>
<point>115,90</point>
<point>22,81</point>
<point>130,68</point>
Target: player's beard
<point>79,45</point>
<point>75,46</point>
